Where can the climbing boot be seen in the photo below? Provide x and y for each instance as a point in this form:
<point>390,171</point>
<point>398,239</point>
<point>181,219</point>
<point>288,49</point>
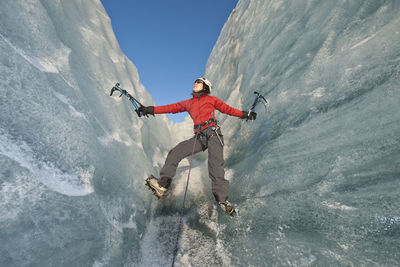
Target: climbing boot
<point>152,183</point>
<point>227,207</point>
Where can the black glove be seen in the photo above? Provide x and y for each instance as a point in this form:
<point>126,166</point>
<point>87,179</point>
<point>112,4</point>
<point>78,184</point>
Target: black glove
<point>145,111</point>
<point>252,116</point>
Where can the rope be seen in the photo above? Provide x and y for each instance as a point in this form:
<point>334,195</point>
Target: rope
<point>183,204</point>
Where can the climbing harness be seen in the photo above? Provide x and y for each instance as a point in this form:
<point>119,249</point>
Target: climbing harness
<point>183,204</point>
<point>133,100</point>
<point>205,125</point>
<point>213,124</point>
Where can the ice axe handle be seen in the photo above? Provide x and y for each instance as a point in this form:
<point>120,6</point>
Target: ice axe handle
<point>254,104</point>
<point>259,98</point>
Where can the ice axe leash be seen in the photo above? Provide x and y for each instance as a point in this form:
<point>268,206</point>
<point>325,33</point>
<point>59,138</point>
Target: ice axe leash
<point>133,100</point>
<point>259,98</point>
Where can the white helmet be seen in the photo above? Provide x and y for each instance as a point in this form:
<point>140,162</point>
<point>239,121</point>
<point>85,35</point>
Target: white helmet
<point>207,83</point>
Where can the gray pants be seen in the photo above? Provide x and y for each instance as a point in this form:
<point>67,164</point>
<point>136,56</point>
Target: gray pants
<point>216,171</point>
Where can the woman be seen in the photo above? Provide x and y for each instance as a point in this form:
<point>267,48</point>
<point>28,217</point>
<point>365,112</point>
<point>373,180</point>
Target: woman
<point>201,108</point>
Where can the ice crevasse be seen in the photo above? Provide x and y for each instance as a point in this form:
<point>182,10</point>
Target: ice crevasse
<point>315,178</point>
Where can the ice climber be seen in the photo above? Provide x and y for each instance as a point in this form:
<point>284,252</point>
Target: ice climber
<point>201,108</point>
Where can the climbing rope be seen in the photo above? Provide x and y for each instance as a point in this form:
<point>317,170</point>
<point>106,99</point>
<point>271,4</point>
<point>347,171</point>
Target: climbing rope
<point>183,204</point>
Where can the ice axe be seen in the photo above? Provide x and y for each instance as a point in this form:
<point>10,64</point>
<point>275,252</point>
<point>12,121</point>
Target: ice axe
<point>134,101</point>
<point>259,98</point>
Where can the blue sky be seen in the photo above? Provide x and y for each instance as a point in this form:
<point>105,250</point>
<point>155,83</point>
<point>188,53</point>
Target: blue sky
<point>169,41</point>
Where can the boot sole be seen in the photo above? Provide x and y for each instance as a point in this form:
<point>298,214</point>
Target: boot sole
<point>156,193</point>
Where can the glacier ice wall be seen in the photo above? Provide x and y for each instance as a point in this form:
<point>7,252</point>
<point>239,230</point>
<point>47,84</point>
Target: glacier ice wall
<point>316,177</point>
<point>72,158</point>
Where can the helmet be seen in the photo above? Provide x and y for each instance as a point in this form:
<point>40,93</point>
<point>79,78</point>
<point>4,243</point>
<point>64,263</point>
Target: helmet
<point>207,83</point>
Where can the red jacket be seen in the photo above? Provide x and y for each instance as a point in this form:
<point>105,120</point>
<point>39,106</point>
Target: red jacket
<point>200,109</point>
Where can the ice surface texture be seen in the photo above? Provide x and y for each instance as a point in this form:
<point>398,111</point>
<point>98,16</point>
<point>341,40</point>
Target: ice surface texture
<point>315,178</point>
<point>70,155</point>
